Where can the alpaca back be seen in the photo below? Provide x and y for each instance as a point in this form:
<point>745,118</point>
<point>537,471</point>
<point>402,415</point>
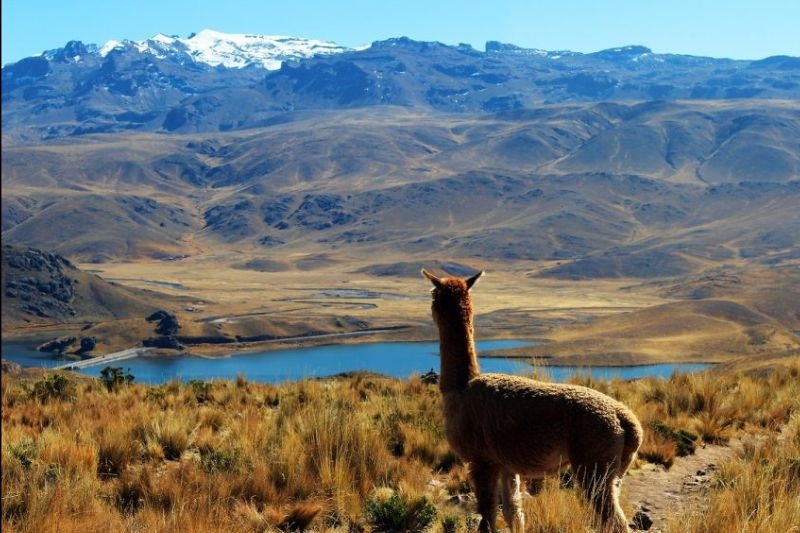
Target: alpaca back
<point>633,437</point>
<point>536,427</point>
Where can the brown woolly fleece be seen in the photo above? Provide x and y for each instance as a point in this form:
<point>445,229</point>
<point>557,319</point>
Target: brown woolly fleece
<point>510,425</point>
<point>535,428</point>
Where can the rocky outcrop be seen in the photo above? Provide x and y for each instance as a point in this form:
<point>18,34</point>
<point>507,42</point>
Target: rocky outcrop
<point>166,329</point>
<point>430,378</point>
<point>168,341</point>
<point>58,345</point>
<point>11,368</point>
<point>40,287</point>
<point>87,345</point>
<point>38,283</point>
<point>167,322</point>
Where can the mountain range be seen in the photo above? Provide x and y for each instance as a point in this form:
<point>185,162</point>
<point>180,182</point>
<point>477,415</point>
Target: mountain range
<point>619,163</point>
<point>212,82</point>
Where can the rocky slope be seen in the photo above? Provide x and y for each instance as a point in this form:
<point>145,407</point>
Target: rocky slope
<point>607,190</point>
<point>41,287</point>
<point>619,163</point>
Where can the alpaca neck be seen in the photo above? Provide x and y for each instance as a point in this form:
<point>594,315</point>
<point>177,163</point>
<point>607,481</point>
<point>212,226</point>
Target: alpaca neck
<point>458,357</point>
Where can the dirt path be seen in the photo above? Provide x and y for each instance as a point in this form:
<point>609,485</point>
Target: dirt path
<point>661,493</point>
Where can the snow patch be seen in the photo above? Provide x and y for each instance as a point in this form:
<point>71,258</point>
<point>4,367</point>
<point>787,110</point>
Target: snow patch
<point>231,50</point>
<point>108,47</point>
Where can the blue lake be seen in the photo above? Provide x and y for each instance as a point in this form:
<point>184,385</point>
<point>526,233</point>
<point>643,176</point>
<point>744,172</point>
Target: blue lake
<point>398,359</point>
<point>25,353</point>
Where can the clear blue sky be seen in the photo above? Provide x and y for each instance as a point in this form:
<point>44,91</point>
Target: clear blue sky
<point>734,28</point>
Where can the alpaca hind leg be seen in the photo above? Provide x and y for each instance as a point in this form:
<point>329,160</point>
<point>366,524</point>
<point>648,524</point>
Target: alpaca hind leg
<point>609,509</point>
<point>485,477</point>
<point>511,499</point>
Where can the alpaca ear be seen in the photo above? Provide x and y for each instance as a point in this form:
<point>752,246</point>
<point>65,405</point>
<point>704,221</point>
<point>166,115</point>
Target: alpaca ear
<point>436,281</point>
<point>474,279</point>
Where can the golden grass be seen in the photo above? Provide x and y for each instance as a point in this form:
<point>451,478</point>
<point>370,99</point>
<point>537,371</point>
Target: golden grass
<point>254,457</point>
<point>759,491</point>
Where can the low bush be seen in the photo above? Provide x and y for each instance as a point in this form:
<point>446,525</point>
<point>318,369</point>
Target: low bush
<point>54,387</point>
<point>388,511</point>
<point>114,377</point>
<point>685,441</point>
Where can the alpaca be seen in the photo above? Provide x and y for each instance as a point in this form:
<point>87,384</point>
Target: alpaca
<point>505,426</point>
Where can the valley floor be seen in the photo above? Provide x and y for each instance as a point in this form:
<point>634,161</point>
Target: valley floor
<point>224,310</point>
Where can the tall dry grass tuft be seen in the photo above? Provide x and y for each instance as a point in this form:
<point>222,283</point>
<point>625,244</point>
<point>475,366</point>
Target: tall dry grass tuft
<point>115,450</point>
<point>759,491</point>
<point>299,517</point>
<point>557,509</point>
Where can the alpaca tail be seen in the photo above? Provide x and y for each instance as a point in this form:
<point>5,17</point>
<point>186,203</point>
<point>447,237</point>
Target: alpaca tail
<point>633,438</point>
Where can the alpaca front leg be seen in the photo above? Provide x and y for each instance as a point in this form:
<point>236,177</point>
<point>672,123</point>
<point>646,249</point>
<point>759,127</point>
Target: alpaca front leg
<point>485,477</point>
<point>511,499</point>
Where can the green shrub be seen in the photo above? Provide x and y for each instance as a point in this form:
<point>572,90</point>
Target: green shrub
<point>397,514</point>
<point>685,441</point>
<point>114,377</point>
<point>25,452</point>
<point>54,387</point>
<point>214,460</point>
<point>156,394</point>
<point>201,389</point>
<point>450,524</point>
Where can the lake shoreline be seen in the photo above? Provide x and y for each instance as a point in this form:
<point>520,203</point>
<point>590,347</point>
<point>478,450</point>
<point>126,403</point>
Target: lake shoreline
<point>399,360</point>
<point>213,352</point>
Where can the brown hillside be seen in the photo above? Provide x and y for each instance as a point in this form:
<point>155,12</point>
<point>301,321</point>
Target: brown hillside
<point>44,288</point>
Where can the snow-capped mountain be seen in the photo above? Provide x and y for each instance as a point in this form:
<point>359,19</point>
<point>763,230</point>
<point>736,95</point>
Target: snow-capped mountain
<point>212,81</point>
<point>230,50</point>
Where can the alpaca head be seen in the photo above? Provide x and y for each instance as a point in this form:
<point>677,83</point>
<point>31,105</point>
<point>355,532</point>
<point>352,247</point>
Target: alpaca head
<point>451,298</point>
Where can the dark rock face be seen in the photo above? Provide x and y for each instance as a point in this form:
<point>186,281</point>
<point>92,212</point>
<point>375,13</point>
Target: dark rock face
<point>58,345</point>
<point>168,326</point>
<point>27,71</point>
<point>38,282</point>
<point>430,378</point>
<point>31,259</point>
<point>87,345</point>
<point>167,322</point>
<point>342,82</point>
<point>231,220</point>
<point>169,342</point>
<point>319,212</point>
<point>72,50</point>
<point>11,368</point>
<point>157,315</point>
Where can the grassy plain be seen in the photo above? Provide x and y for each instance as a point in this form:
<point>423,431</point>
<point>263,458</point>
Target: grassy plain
<point>356,454</point>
